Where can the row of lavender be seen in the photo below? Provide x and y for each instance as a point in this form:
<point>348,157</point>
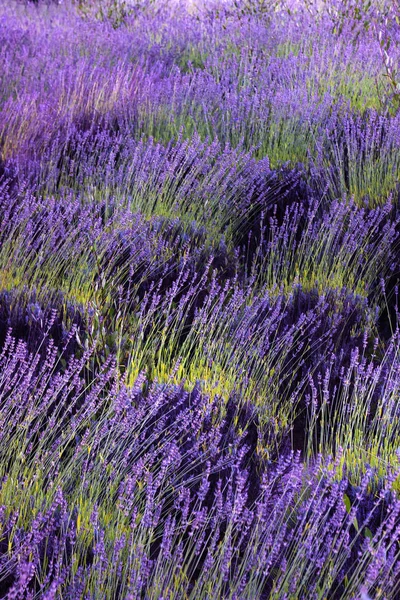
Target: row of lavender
<point>199,255</point>
<point>300,88</point>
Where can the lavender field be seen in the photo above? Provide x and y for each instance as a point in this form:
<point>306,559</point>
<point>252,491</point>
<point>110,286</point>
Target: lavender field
<point>199,309</point>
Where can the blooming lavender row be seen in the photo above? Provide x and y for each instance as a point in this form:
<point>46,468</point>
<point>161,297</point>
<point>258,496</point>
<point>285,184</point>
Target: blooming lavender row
<point>108,490</point>
<point>279,94</point>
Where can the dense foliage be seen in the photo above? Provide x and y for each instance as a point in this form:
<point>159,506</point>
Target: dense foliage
<point>199,332</point>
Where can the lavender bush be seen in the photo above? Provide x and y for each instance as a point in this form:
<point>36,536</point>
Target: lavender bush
<point>199,307</point>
